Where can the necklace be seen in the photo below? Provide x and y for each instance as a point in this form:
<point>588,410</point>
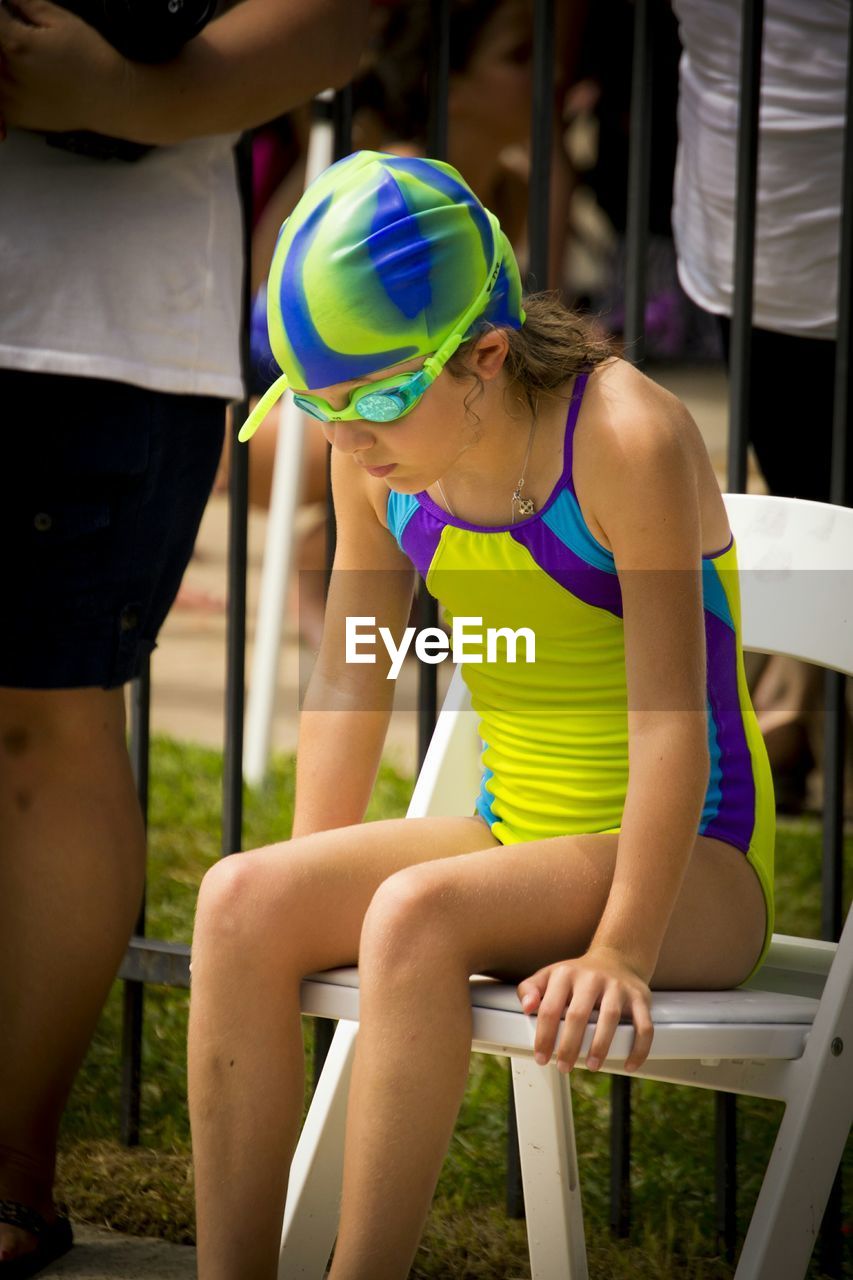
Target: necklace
<point>519,505</point>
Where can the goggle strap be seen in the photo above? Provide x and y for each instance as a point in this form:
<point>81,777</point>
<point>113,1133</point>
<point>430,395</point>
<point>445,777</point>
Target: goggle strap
<point>262,408</point>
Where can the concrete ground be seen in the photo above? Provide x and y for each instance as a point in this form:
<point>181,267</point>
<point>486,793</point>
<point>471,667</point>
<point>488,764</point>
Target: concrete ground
<point>188,675</point>
<point>99,1254</point>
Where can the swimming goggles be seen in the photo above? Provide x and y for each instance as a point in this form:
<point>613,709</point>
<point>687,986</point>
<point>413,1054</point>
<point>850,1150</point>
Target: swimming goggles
<point>390,398</point>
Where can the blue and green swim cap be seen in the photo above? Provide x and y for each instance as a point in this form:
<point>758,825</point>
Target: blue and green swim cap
<point>380,259</point>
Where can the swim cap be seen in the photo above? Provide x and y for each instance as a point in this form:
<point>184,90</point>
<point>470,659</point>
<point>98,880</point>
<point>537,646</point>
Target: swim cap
<point>379,260</point>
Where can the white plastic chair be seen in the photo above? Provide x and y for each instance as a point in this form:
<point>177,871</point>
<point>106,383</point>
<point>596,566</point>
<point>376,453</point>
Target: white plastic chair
<point>788,1036</point>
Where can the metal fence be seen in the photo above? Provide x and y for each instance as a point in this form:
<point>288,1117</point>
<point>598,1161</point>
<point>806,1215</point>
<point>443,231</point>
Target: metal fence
<point>155,961</point>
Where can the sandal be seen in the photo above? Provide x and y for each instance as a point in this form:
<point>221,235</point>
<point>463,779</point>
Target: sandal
<point>53,1239</point>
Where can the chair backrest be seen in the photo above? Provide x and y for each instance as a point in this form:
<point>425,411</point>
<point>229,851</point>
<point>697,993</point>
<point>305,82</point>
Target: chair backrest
<point>796,577</point>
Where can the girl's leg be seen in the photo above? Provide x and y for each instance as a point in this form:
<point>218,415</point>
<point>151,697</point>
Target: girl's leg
<point>506,911</point>
<point>264,920</point>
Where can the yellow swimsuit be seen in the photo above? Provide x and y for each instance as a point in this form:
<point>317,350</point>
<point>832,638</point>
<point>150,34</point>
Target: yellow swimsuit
<point>555,731</point>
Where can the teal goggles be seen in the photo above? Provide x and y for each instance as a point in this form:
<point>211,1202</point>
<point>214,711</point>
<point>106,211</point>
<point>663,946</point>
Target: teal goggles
<point>383,401</point>
<point>390,398</point>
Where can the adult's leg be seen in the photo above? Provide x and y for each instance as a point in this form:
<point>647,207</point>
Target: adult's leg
<point>264,921</point>
<point>790,429</point>
<point>102,503</point>
<point>507,912</point>
<point>72,852</point>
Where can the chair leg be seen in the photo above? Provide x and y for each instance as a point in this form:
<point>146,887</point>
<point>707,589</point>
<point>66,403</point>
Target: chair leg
<point>316,1174</point>
<point>805,1156</point>
<point>549,1172</point>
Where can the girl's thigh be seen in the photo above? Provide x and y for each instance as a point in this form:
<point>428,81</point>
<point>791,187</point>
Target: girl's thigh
<point>304,901</point>
<point>510,910</point>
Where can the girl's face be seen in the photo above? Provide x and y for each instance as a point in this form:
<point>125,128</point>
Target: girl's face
<point>411,453</point>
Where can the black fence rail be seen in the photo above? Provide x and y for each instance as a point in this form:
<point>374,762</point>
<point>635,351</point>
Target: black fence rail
<point>167,962</point>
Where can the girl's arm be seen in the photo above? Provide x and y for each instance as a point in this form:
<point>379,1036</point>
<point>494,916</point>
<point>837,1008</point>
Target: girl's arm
<point>649,511</point>
<point>256,61</point>
<point>348,705</point>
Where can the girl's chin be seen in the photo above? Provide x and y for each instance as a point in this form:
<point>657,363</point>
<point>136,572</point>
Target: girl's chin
<point>402,484</point>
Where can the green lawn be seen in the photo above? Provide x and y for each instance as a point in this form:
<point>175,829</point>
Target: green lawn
<point>147,1190</point>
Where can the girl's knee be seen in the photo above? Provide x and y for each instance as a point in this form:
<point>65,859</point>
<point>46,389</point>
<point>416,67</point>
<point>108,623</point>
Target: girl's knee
<point>409,923</point>
<point>232,907</point>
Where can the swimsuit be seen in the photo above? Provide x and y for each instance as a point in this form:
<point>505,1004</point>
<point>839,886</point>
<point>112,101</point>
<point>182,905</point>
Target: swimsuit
<point>555,731</point>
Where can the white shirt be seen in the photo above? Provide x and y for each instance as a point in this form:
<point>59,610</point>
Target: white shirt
<point>126,271</point>
<point>799,166</point>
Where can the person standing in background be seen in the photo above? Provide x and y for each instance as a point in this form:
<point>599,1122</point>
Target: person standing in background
<point>798,218</point>
<point>120,279</point>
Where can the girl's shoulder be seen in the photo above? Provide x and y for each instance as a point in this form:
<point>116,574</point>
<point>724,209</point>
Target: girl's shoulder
<point>637,447</point>
<point>631,410</point>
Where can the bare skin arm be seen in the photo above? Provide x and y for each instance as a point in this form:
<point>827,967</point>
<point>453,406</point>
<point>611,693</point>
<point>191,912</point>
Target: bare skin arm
<point>348,706</point>
<point>649,512</point>
<point>249,65</point>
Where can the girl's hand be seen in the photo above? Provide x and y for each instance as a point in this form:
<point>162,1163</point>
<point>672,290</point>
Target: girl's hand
<point>56,72</point>
<point>602,979</point>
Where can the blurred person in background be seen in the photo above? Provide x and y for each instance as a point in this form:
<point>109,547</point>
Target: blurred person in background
<point>801,140</point>
<point>120,273</point>
<point>675,328</point>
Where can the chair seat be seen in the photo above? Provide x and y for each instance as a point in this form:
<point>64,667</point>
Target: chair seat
<point>688,1024</point>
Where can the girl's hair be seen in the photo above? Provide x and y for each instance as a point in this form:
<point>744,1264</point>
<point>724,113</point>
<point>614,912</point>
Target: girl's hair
<point>551,347</point>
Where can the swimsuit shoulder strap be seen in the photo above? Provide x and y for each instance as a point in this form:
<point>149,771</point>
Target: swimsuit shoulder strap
<point>571,422</point>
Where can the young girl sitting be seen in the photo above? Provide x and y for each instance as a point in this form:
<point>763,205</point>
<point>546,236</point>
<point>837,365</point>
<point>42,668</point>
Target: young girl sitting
<point>623,834</point>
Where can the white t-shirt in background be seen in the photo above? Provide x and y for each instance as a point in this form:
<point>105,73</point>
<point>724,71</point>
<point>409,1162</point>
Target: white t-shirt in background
<point>125,271</point>
<point>799,165</point>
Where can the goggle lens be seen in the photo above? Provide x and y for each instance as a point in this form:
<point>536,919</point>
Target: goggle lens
<point>385,404</point>
<point>381,406</point>
<point>307,406</point>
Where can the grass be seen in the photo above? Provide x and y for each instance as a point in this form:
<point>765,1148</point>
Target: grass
<point>147,1190</point>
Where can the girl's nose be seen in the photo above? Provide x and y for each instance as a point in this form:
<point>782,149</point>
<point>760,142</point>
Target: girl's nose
<point>349,437</point>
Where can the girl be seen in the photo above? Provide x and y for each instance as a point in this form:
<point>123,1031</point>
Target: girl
<point>623,833</point>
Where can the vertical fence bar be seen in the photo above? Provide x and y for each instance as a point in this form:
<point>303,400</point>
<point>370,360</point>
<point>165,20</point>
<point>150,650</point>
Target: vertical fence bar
<point>752,28</point>
<point>541,138</point>
<point>437,131</point>
<point>133,1000</point>
<point>636,250</point>
<point>324,1028</point>
<point>439,80</point>
<point>639,184</point>
<point>830,1243</point>
<point>835,719</point>
<point>238,527</point>
<point>538,224</point>
<point>725,1172</point>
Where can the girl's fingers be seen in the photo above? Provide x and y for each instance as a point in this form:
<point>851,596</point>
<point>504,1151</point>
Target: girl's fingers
<point>550,1012</point>
<point>575,1023</point>
<point>531,990</point>
<point>609,1014</point>
<point>643,1035</point>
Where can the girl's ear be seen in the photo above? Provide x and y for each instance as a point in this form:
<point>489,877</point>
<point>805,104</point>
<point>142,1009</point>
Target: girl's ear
<point>488,354</point>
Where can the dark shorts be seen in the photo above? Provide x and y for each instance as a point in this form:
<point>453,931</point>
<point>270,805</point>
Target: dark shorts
<point>790,412</point>
<point>102,488</point>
